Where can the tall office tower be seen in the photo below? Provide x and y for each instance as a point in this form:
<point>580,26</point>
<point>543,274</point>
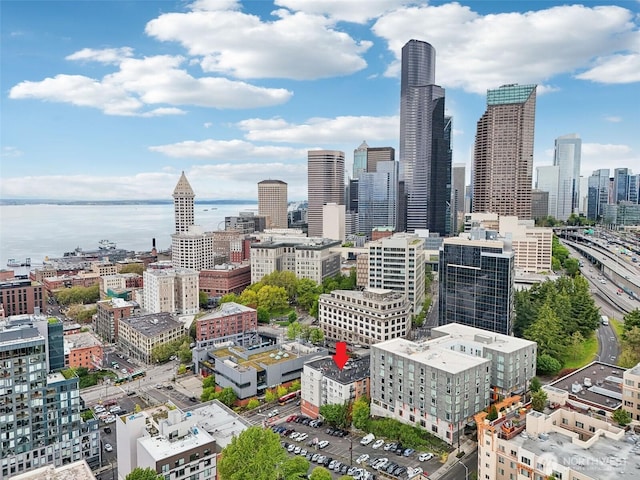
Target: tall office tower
<point>598,193</point>
<point>457,195</point>
<point>325,185</point>
<point>378,198</point>
<point>183,205</point>
<point>360,160</point>
<point>351,195</point>
<point>584,195</point>
<point>425,153</point>
<point>620,184</point>
<point>40,421</point>
<point>547,181</point>
<point>539,204</point>
<point>272,202</point>
<point>567,158</point>
<point>503,152</point>
<point>376,155</point>
<point>477,277</point>
<point>634,189</point>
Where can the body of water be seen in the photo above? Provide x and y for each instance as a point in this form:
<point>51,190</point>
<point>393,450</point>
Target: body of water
<point>39,231</point>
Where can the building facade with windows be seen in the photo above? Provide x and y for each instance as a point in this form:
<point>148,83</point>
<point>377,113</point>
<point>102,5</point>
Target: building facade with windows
<point>378,198</point>
<point>139,335</point>
<point>326,185</point>
<point>108,316</point>
<point>83,350</point>
<point>230,322</point>
<point>567,156</point>
<point>272,202</point>
<point>224,279</point>
<point>364,317</point>
<point>20,296</point>
<point>174,290</point>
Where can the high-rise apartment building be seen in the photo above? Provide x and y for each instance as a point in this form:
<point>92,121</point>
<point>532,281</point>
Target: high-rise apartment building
<point>272,202</point>
<point>547,181</point>
<point>477,282</point>
<point>566,157</point>
<point>183,199</point>
<point>325,185</point>
<point>598,193</point>
<point>503,152</point>
<point>39,410</point>
<point>378,198</point>
<point>173,290</point>
<point>397,263</point>
<point>425,150</point>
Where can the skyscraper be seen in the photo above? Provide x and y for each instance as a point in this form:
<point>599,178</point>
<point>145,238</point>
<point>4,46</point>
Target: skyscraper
<point>183,204</point>
<point>376,155</point>
<point>360,160</point>
<point>547,181</point>
<point>567,158</point>
<point>457,195</point>
<point>378,198</point>
<point>503,152</point>
<point>621,184</point>
<point>272,202</point>
<point>598,193</point>
<point>325,185</point>
<point>425,153</point>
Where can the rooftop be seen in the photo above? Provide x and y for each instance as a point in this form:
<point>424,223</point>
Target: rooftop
<point>353,371</point>
<point>219,421</point>
<point>244,359</point>
<point>81,340</point>
<point>73,471</point>
<point>226,309</point>
<point>152,324</point>
<point>496,341</point>
<point>606,385</point>
<point>160,447</point>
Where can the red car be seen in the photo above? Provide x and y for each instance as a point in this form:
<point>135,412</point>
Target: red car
<point>291,418</point>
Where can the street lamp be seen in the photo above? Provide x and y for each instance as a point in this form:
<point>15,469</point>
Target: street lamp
<point>466,470</point>
<point>350,451</point>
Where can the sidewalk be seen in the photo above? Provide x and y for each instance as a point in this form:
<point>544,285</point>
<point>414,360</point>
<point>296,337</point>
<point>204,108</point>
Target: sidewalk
<point>468,447</point>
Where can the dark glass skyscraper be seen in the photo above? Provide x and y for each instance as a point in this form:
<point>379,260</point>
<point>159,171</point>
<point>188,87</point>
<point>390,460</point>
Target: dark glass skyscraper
<point>425,148</point>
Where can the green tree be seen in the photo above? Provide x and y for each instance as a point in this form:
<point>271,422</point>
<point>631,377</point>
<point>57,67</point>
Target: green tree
<point>305,332</point>
<point>248,298</point>
<point>255,453</point>
<point>547,365</point>
<point>576,343</point>
<point>293,330</point>
<point>316,335</point>
<point>295,386</point>
<point>539,400</point>
<point>253,403</point>
<point>535,384</point>
<point>270,395</point>
<point>281,391</point>
<point>284,279</point>
<point>203,299</point>
<point>336,414</point>
<point>493,413</point>
<point>547,332</point>
<point>320,473</point>
<point>143,474</point>
<point>182,369</point>
<point>229,297</point>
<point>274,299</point>
<point>209,381</point>
<point>137,268</point>
<point>263,315</point>
<point>583,307</point>
<point>631,319</point>
<point>360,413</point>
<point>293,316</point>
<point>307,293</point>
<point>295,468</point>
<point>622,417</point>
<point>572,266</point>
<point>227,396</point>
<point>208,394</point>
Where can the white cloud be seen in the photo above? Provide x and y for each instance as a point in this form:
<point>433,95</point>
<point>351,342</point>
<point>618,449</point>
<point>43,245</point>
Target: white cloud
<point>601,155</point>
<point>149,81</point>
<point>615,69</point>
<point>349,11</point>
<point>477,52</point>
<point>212,5</point>
<point>237,150</point>
<point>10,152</point>
<point>208,124</point>
<point>613,118</point>
<point>295,45</point>
<point>106,55</point>
<point>346,129</point>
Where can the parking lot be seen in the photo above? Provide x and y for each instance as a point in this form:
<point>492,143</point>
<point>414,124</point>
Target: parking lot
<point>347,449</point>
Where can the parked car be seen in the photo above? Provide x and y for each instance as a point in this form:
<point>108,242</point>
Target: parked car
<point>408,452</point>
<point>107,429</point>
<point>323,444</point>
<point>291,448</point>
<point>378,443</point>
<point>297,450</point>
<point>303,437</point>
<point>423,457</point>
<point>108,447</point>
<point>362,458</point>
<point>414,472</point>
<point>367,439</point>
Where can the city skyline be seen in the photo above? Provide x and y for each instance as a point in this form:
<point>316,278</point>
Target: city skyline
<point>97,113</point>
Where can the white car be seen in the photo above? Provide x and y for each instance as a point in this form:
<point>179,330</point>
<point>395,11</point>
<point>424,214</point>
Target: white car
<point>302,437</point>
<point>295,435</point>
<point>367,439</point>
<point>323,444</point>
<point>362,458</point>
<point>108,447</point>
<point>414,472</point>
<point>99,409</point>
<point>110,419</point>
<point>423,457</point>
<point>378,443</point>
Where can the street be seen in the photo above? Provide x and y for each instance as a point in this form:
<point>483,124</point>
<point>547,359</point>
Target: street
<point>458,470</point>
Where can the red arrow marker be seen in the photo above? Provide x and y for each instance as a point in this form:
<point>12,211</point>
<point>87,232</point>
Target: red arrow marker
<point>341,356</point>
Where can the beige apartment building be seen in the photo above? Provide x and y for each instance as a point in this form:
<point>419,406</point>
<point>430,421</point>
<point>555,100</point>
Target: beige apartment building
<point>367,317</point>
<point>325,172</point>
<point>138,336</point>
<point>173,290</point>
<point>272,202</point>
<point>631,392</point>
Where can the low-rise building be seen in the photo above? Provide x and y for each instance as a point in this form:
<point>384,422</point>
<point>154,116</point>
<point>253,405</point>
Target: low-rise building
<point>250,371</point>
<point>20,296</point>
<point>80,279</point>
<point>631,392</point>
<point>119,284</point>
<point>564,444</point>
<point>224,279</point>
<point>442,383</point>
<point>364,317</point>
<point>231,322</point>
<point>108,315</point>
<point>83,350</point>
<point>323,383</point>
<point>138,336</point>
<point>78,470</point>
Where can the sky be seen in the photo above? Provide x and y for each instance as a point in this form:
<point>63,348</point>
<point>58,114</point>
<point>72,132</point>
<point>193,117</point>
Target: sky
<point>104,100</point>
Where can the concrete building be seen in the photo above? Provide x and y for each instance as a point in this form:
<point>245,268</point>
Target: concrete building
<point>458,185</point>
<point>631,392</point>
<point>326,185</point>
<point>425,141</point>
<point>539,204</point>
<point>323,383</point>
<point>364,317</point>
<point>375,155</point>
<point>108,316</point>
<point>563,444</point>
<point>333,221</point>
<point>246,223</point>
<point>20,296</point>
<point>477,277</point>
<point>547,181</point>
<point>83,350</point>
<point>378,198</point>
<point>567,155</point>
<point>39,411</point>
<point>231,322</point>
<point>183,203</point>
<point>598,193</point>
<point>272,202</point>
<point>138,336</point>
<point>307,257</point>
<point>119,285</point>
<point>360,160</point>
<point>78,470</point>
<point>250,371</point>
<point>531,245</point>
<point>442,383</point>
<point>224,279</point>
<point>503,152</point>
<point>397,263</point>
<point>169,442</point>
<point>174,290</point>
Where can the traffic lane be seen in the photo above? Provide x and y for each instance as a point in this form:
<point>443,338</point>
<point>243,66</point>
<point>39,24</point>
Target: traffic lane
<point>609,344</point>
<point>458,471</point>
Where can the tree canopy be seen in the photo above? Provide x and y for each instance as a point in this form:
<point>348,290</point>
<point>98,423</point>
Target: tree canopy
<point>143,474</point>
<point>360,413</point>
<point>83,295</point>
<point>257,454</point>
<point>336,414</point>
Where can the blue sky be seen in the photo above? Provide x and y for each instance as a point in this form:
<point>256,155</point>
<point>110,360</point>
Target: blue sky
<point>112,99</point>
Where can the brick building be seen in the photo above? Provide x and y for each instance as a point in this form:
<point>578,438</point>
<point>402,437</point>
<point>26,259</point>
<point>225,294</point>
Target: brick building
<point>108,316</point>
<point>82,350</point>
<point>19,296</point>
<point>231,321</point>
<point>224,279</point>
